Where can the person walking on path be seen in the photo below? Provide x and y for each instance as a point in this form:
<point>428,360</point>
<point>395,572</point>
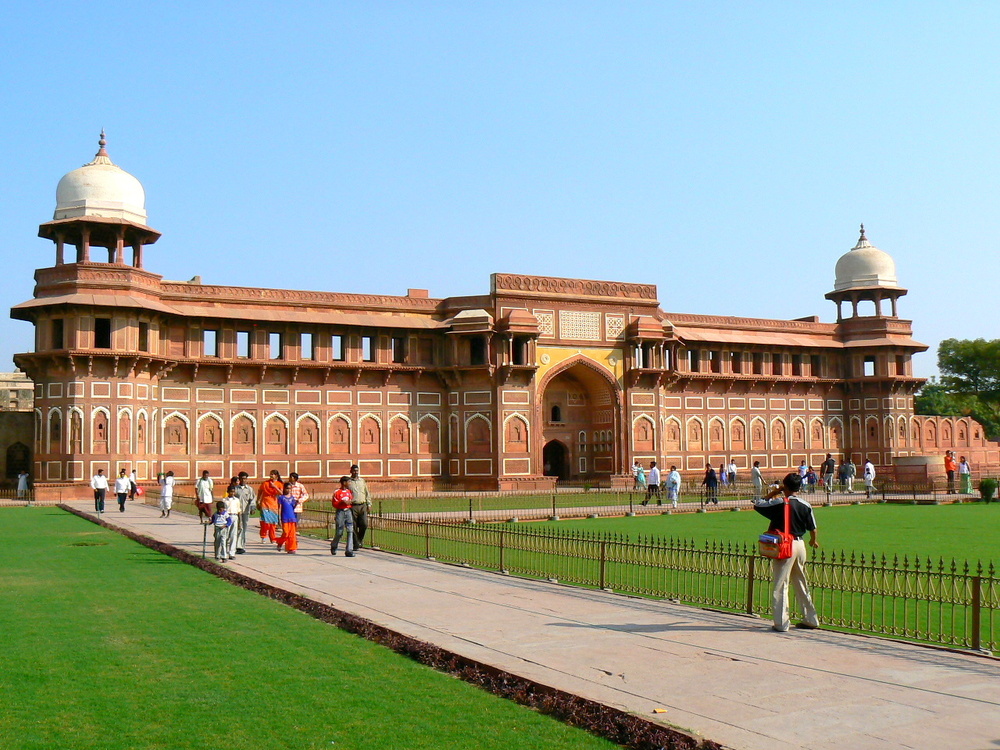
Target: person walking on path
<point>361,505</point>
<point>99,484</point>
<point>850,471</point>
<point>793,569</point>
<point>711,484</point>
<point>298,491</point>
<point>950,467</point>
<point>22,485</point>
<point>827,471</point>
<point>965,476</point>
<point>203,496</point>
<point>674,486</point>
<point>248,504</point>
<point>221,522</point>
<point>166,482</point>
<point>122,485</point>
<point>757,479</point>
<point>343,503</point>
<point>234,506</point>
<point>289,538</point>
<point>653,487</point>
<point>133,489</point>
<point>640,478</point>
<point>267,501</point>
<point>869,476</point>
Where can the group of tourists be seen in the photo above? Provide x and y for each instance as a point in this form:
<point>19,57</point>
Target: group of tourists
<point>280,504</point>
<point>126,486</point>
<point>960,467</point>
<point>652,485</point>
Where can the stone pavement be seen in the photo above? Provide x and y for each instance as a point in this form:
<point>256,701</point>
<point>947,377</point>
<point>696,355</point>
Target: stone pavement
<point>725,677</point>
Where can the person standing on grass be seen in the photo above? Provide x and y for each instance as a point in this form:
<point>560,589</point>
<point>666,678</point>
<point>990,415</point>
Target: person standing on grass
<point>267,501</point>
<point>965,476</point>
<point>792,569</point>
<point>203,495</point>
<point>711,484</point>
<point>674,486</point>
<point>653,487</point>
<point>221,522</point>
<point>22,485</point>
<point>99,484</point>
<point>950,467</point>
<point>869,476</point>
<point>166,493</point>
<point>289,521</point>
<point>361,505</point>
<point>122,484</point>
<point>247,498</point>
<point>827,471</point>
<point>757,479</point>
<point>343,502</point>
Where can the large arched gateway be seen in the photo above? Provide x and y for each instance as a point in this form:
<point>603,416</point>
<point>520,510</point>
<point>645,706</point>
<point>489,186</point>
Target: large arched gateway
<point>581,413</point>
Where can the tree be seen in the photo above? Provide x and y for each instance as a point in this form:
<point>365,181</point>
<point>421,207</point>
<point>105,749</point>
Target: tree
<point>969,385</point>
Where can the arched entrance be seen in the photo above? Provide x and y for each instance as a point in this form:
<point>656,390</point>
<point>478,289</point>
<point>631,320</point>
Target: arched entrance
<point>580,412</point>
<point>555,459</point>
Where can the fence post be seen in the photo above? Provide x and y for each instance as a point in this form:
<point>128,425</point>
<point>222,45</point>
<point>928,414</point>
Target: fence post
<point>470,508</point>
<point>604,564</point>
<point>427,540</point>
<point>554,514</point>
<point>501,550</point>
<point>751,567</point>
<point>977,598</point>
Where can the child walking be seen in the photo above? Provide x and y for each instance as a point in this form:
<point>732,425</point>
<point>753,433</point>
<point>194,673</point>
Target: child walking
<point>289,521</point>
<point>221,521</point>
<point>343,498</point>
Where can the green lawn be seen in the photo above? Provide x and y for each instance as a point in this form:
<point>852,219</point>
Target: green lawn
<point>970,531</point>
<point>108,644</point>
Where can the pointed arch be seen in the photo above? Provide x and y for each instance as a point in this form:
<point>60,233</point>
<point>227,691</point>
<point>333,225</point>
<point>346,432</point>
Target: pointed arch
<point>338,435</point>
<point>872,437</point>
<point>817,434</point>
<point>695,432</point>
<point>176,427</point>
<point>515,434</point>
<point>54,431</point>
<point>370,434</point>
<point>716,434</point>
<point>779,434</point>
<point>758,434</point>
<point>75,430</point>
<point>835,429</point>
<point>243,433</point>
<point>141,433</point>
<point>307,434</point>
<point>478,434</point>
<point>643,433</point>
<point>39,431</point>
<point>799,434</point>
<point>400,433</point>
<point>737,435</point>
<point>209,431</point>
<point>428,434</point>
<point>672,434</point>
<point>100,425</point>
<point>275,434</point>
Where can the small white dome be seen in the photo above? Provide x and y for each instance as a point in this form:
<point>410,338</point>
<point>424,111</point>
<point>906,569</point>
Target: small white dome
<point>865,265</point>
<point>101,188</point>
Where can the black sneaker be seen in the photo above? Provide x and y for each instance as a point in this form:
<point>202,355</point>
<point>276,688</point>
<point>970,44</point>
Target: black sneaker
<point>240,551</point>
<point>348,554</point>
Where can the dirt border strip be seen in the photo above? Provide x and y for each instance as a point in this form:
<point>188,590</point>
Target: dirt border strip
<point>625,729</point>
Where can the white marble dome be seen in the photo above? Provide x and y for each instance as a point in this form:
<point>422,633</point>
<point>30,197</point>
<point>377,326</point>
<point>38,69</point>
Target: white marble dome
<point>865,265</point>
<point>101,188</point>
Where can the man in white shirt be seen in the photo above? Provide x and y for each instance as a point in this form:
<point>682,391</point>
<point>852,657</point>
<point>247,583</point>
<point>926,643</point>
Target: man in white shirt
<point>869,476</point>
<point>758,481</point>
<point>203,496</point>
<point>674,486</point>
<point>731,471</point>
<point>99,484</point>
<point>122,488</point>
<point>653,484</point>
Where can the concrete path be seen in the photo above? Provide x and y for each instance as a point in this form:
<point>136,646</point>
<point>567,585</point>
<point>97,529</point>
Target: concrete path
<point>725,677</point>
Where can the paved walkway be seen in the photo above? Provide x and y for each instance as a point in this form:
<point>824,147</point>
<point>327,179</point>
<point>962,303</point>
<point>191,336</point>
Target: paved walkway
<point>725,677</point>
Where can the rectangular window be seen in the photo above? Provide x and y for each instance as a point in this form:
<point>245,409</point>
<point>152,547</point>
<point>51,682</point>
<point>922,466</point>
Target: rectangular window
<point>736,363</point>
<point>102,333</point>
<point>399,349</point>
<point>306,346</point>
<point>694,360</point>
<point>243,344</point>
<point>519,350</point>
<point>797,365</point>
<point>870,367</point>
<point>367,348</point>
<point>816,365</point>
<point>648,358</point>
<point>210,343</point>
<point>337,348</point>
<point>776,364</point>
<point>144,337</point>
<point>716,360</point>
<point>58,334</point>
<point>276,345</point>
<point>758,363</point>
<point>477,350</point>
<point>901,364</point>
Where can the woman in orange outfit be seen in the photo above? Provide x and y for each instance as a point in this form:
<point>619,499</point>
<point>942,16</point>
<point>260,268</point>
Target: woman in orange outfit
<point>267,501</point>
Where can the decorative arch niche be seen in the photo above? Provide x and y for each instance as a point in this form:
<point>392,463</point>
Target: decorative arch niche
<point>399,435</point>
<point>210,435</point>
<point>244,435</point>
<point>642,435</point>
<point>275,435</point>
<point>371,435</point>
<point>428,435</point>
<point>307,435</point>
<point>515,435</point>
<point>175,435</point>
<point>477,435</point>
<point>99,432</point>
<point>339,431</point>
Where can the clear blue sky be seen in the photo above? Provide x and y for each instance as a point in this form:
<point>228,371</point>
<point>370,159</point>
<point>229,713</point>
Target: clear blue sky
<point>725,152</point>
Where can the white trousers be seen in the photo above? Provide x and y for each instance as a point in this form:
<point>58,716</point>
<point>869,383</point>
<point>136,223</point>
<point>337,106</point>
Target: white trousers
<point>791,570</point>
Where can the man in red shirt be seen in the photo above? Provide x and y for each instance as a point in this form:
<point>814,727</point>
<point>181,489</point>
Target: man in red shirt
<point>343,499</point>
<point>950,467</point>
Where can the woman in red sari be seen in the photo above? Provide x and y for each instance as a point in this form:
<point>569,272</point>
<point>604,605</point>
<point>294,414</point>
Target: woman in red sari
<point>267,501</point>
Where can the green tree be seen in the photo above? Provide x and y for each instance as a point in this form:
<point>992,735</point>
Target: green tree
<point>969,384</point>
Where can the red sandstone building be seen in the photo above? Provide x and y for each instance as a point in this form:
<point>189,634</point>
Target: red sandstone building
<point>539,379</point>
